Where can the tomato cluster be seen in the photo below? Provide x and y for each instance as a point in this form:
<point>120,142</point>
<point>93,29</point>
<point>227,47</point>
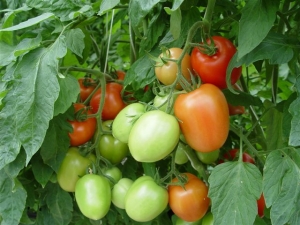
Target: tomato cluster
<point>182,125</point>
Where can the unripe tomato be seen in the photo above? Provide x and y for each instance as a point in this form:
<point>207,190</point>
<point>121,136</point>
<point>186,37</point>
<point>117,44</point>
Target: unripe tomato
<point>73,166</point>
<point>180,156</point>
<point>208,157</point>
<point>203,117</point>
<point>113,173</point>
<point>83,130</point>
<point>212,68</point>
<point>191,202</point>
<point>145,200</point>
<point>93,196</point>
<point>166,71</point>
<point>180,221</point>
<point>119,192</point>
<point>208,219</point>
<point>160,101</point>
<point>153,136</point>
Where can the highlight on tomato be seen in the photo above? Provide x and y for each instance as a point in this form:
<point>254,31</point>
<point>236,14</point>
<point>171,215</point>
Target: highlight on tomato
<point>203,117</point>
<point>190,202</point>
<point>166,70</point>
<point>211,68</point>
<point>83,128</point>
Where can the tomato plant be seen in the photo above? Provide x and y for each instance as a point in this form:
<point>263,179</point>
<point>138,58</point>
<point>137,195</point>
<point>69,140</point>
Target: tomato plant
<point>261,205</point>
<point>180,156</point>
<point>166,70</point>
<point>113,102</point>
<point>208,219</point>
<point>208,157</point>
<point>87,86</point>
<point>236,110</point>
<point>119,192</point>
<point>93,196</point>
<point>190,202</point>
<point>113,174</point>
<point>153,136</point>
<point>83,128</point>
<point>212,68</point>
<point>203,117</point>
<point>233,154</point>
<point>145,200</point>
<point>179,221</point>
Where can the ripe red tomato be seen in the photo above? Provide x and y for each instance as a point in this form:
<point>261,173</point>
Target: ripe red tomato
<point>234,153</point>
<point>113,101</point>
<point>166,72</point>
<point>83,130</point>
<point>261,204</point>
<point>236,110</point>
<point>212,68</point>
<point>87,85</point>
<point>191,202</point>
<point>203,117</point>
<point>121,74</point>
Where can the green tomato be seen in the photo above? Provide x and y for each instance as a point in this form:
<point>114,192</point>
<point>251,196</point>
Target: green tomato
<point>73,166</point>
<point>153,136</point>
<point>145,200</point>
<point>93,196</point>
<point>125,119</point>
<point>208,157</point>
<point>180,156</point>
<point>208,219</point>
<point>179,221</point>
<point>112,173</point>
<point>119,192</point>
<point>161,101</point>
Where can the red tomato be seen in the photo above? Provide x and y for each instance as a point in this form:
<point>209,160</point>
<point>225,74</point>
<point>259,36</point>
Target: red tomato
<point>83,130</point>
<point>191,202</point>
<point>236,110</point>
<point>113,101</point>
<point>261,204</point>
<point>121,74</point>
<point>233,153</point>
<point>203,117</point>
<point>212,68</point>
<point>87,85</point>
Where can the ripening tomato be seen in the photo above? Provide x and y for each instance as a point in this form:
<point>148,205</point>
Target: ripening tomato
<point>166,71</point>
<point>87,85</point>
<point>261,204</point>
<point>212,68</point>
<point>203,117</point>
<point>236,109</point>
<point>83,129</point>
<point>121,74</point>
<point>191,202</point>
<point>113,103</point>
<point>234,153</point>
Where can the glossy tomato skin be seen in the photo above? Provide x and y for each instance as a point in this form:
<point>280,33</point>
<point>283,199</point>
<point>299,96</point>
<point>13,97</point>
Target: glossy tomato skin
<point>84,130</point>
<point>93,196</point>
<point>153,136</point>
<point>113,101</point>
<point>73,166</point>
<point>87,85</point>
<point>233,154</point>
<point>212,69</point>
<point>203,117</point>
<point>125,119</point>
<point>166,72</point>
<point>145,200</point>
<point>261,204</point>
<point>119,192</point>
<point>191,202</point>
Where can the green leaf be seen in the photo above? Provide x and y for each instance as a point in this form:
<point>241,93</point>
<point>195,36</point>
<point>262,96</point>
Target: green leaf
<point>258,17</point>
<point>30,22</point>
<point>107,5</point>
<point>56,142</point>
<point>294,138</point>
<point>242,98</point>
<point>75,41</point>
<point>85,10</point>
<point>13,169</point>
<point>175,22</point>
<point>6,54</point>
<point>69,91</point>
<point>176,4</point>
<point>284,187</point>
<point>138,9</point>
<point>29,105</point>
<point>12,200</point>
<point>234,189</point>
<point>41,171</point>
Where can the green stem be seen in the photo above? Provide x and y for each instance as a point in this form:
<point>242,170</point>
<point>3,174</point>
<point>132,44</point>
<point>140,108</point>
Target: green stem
<point>208,15</point>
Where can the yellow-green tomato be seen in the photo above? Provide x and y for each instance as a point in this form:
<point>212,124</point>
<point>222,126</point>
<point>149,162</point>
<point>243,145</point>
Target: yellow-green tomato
<point>119,192</point>
<point>145,199</point>
<point>125,119</point>
<point>180,156</point>
<point>180,221</point>
<point>153,136</point>
<point>161,102</point>
<point>208,219</point>
<point>113,175</point>
<point>93,196</point>
<point>73,166</point>
<point>208,157</point>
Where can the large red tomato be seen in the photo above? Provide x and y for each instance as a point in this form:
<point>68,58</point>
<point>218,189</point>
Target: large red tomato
<point>203,117</point>
<point>113,103</point>
<point>212,68</point>
<point>83,129</point>
<point>190,202</point>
